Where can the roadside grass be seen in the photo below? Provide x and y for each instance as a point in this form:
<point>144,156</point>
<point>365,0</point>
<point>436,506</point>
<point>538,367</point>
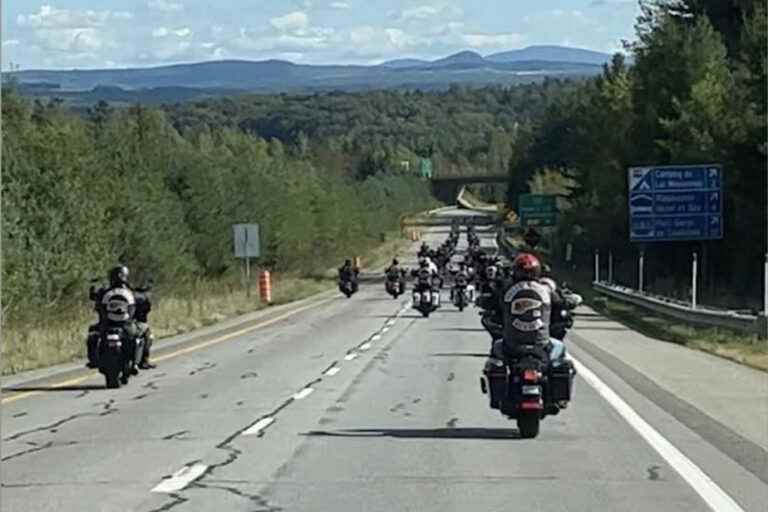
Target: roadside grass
<point>50,340</point>
<point>736,346</point>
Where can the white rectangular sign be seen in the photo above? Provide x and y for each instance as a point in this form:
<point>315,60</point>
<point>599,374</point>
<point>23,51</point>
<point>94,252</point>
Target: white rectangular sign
<point>247,241</point>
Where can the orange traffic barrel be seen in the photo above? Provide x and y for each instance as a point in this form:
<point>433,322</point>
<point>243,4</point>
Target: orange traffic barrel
<point>265,286</point>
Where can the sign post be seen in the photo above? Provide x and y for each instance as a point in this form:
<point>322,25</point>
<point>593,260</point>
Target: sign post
<point>765,286</point>
<point>641,271</point>
<point>694,278</point>
<point>610,267</point>
<point>597,266</point>
<point>247,244</point>
<point>537,210</point>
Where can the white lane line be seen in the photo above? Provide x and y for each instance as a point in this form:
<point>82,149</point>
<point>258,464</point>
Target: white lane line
<point>181,478</point>
<point>304,393</point>
<point>390,323</point>
<point>332,371</point>
<point>717,499</point>
<point>260,425</point>
<point>350,357</point>
<point>384,330</point>
<point>376,337</point>
<point>364,346</point>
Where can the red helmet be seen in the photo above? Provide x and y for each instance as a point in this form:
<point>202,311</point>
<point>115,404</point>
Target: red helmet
<point>526,267</point>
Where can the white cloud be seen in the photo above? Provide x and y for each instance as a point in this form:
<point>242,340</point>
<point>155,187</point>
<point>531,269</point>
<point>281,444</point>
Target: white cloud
<point>165,6</point>
<point>11,42</point>
<point>183,32</point>
<point>208,45</point>
<point>160,32</point>
<point>49,17</point>
<point>296,20</point>
<point>493,40</point>
<point>340,5</point>
<point>75,40</point>
<point>425,12</point>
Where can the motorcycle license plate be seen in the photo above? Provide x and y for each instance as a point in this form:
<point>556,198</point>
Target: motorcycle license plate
<point>114,344</point>
<point>531,390</point>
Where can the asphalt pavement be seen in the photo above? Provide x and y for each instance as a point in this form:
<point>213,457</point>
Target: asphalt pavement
<point>360,404</point>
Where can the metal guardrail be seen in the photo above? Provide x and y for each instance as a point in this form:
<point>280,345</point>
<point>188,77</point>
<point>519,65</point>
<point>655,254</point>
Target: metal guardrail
<point>754,324</point>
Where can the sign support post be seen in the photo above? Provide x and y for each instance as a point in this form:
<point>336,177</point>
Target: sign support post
<point>597,265</point>
<point>641,270</point>
<point>694,279</point>
<point>610,267</point>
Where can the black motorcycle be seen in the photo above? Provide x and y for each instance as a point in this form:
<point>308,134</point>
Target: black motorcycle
<point>395,284</point>
<point>526,386</point>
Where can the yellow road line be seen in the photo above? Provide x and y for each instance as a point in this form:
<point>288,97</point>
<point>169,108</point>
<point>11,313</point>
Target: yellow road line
<point>175,353</point>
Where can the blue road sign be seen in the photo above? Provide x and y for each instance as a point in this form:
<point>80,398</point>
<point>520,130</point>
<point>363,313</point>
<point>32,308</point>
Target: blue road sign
<point>670,203</point>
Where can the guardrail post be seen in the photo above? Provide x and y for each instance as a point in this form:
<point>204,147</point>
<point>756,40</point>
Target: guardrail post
<point>641,270</point>
<point>597,265</point>
<point>694,279</point>
<point>765,286</point>
<point>610,267</point>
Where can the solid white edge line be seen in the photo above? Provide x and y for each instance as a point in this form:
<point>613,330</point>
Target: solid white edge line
<point>717,499</point>
<point>364,346</point>
<point>181,478</point>
<point>350,357</point>
<point>304,393</point>
<point>332,371</point>
<point>259,426</point>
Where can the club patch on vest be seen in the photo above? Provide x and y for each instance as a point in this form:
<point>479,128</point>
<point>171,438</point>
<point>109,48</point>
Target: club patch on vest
<point>523,305</point>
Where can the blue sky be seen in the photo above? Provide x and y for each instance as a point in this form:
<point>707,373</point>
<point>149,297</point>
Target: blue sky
<point>120,33</point>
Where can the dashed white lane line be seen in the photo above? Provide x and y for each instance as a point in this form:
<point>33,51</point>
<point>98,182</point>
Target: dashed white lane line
<point>717,499</point>
<point>376,337</point>
<point>390,323</point>
<point>304,393</point>
<point>350,357</point>
<point>385,329</point>
<point>260,425</point>
<point>330,372</point>
<point>365,346</point>
<point>181,478</point>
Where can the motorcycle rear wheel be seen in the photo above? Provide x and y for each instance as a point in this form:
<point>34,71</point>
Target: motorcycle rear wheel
<point>528,426</point>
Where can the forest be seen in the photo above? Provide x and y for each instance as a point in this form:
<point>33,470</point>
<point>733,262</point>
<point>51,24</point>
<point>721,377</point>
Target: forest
<point>326,173</point>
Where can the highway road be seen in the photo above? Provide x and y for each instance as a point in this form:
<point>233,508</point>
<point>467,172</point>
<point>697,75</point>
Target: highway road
<point>362,405</point>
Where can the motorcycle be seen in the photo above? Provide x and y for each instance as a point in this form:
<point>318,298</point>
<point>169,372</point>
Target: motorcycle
<point>395,285</point>
<point>526,386</point>
<point>347,287</point>
<point>426,301</point>
<point>460,296</point>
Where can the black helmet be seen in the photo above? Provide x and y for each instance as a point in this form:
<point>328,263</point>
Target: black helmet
<point>395,262</point>
<point>347,262</point>
<point>118,275</point>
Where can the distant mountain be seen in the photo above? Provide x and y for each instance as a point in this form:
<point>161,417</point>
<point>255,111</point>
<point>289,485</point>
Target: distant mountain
<point>551,53</point>
<point>461,58</point>
<point>181,82</point>
<point>404,63</point>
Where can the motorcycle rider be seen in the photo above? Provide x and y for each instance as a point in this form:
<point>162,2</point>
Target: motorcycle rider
<point>423,250</point>
<point>527,304</point>
<point>143,307</point>
<point>115,304</point>
<point>349,273</point>
<point>395,274</point>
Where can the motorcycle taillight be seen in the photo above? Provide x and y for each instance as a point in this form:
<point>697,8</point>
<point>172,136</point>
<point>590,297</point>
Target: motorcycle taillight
<point>530,375</point>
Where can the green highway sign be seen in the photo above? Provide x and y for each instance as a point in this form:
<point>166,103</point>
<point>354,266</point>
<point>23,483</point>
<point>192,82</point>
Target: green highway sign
<point>537,210</point>
<point>425,168</point>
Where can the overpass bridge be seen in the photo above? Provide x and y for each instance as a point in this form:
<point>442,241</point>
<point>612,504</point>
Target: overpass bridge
<point>447,188</point>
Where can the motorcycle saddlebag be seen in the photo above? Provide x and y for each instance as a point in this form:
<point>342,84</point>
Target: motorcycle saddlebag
<point>496,376</point>
<point>561,381</point>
